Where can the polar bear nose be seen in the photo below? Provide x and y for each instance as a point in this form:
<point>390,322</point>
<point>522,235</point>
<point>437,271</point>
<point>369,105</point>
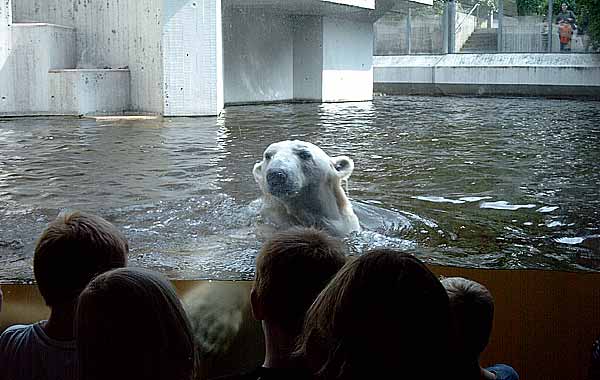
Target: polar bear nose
<point>276,177</point>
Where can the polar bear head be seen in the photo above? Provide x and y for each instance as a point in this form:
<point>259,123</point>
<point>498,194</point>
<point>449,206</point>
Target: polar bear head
<point>302,185</point>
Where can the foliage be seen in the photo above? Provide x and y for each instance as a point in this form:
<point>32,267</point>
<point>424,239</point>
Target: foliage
<point>529,7</point>
<point>589,20</point>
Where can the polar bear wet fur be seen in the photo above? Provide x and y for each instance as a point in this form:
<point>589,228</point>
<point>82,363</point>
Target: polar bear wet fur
<point>302,186</point>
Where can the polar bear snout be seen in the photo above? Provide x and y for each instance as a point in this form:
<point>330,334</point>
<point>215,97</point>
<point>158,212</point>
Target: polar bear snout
<point>276,177</point>
<point>279,182</point>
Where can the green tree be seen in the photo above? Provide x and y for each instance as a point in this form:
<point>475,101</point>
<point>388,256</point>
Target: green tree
<point>589,20</point>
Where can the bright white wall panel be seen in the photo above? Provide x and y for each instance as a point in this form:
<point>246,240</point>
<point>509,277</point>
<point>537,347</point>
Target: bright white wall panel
<point>347,60</point>
<point>190,48</point>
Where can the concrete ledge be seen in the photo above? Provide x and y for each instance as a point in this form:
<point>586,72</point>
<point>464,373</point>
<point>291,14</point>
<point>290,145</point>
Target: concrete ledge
<point>89,91</point>
<point>550,75</point>
<point>28,51</point>
<point>40,24</point>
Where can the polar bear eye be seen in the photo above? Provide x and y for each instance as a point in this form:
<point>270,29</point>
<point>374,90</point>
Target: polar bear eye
<point>268,156</point>
<point>304,155</point>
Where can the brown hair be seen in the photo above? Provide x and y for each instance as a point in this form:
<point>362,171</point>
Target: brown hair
<point>472,307</point>
<point>383,313</point>
<point>74,248</point>
<point>291,269</point>
<point>130,324</point>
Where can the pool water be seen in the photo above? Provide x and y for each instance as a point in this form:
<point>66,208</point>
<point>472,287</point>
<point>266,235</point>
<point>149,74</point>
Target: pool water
<point>482,182</point>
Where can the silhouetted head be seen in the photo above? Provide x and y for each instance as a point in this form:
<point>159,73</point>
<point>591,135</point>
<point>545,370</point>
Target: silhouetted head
<point>74,248</point>
<point>291,269</point>
<point>383,313</point>
<point>131,325</point>
<point>472,308</point>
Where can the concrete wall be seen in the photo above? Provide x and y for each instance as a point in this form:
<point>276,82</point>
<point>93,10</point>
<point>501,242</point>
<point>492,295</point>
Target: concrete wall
<point>61,12</point>
<point>114,34</point>
<point>32,50</point>
<point>308,57</point>
<point>258,56</point>
<point>192,57</point>
<point>347,60</point>
<point>84,91</point>
<point>491,74</point>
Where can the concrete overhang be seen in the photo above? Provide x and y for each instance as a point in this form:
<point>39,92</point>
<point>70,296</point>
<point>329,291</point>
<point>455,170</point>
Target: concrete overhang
<point>364,10</point>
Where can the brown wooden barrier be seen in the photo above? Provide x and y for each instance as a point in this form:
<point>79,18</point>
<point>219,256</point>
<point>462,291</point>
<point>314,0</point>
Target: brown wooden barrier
<point>545,322</point>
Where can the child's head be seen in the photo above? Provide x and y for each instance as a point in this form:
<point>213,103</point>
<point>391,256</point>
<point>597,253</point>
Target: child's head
<point>74,248</point>
<point>130,324</point>
<point>291,269</point>
<point>472,306</point>
<point>384,312</point>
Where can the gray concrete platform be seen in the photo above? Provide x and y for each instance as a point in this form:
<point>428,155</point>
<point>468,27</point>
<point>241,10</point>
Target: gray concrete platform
<point>537,74</point>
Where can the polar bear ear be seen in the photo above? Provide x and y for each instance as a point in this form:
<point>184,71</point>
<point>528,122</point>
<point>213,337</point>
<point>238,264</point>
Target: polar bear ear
<point>343,165</point>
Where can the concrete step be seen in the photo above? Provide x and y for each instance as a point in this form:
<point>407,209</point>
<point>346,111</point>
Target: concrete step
<point>481,41</point>
<point>29,51</point>
<point>89,91</point>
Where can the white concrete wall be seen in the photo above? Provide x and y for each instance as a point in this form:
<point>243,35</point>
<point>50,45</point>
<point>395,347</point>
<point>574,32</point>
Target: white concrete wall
<point>114,34</point>
<point>518,74</point>
<point>85,91</point>
<point>33,50</point>
<point>192,62</point>
<point>530,69</point>
<point>259,56</point>
<point>347,60</point>
<point>308,57</point>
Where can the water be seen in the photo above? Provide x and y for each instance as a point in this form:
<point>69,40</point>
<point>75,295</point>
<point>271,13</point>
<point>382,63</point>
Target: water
<point>493,183</point>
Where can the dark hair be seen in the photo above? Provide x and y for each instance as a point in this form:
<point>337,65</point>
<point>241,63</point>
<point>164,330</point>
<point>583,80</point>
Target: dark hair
<point>130,324</point>
<point>291,269</point>
<point>383,313</point>
<point>472,307</point>
<point>74,248</point>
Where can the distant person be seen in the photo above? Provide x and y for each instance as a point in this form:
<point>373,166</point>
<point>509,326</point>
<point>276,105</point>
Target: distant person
<point>566,26</point>
<point>565,15</point>
<point>384,315</point>
<point>291,269</point>
<point>472,307</point>
<point>70,252</point>
<point>131,325</point>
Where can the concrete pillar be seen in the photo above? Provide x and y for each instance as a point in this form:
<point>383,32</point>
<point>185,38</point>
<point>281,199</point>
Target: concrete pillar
<point>332,59</point>
<point>550,22</point>
<point>451,27</point>
<point>409,31</point>
<point>347,60</point>
<point>500,26</point>
<point>308,58</point>
<point>192,58</point>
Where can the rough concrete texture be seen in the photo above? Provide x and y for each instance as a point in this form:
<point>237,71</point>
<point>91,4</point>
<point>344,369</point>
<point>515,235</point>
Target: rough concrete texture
<point>33,49</point>
<point>89,91</point>
<point>173,50</point>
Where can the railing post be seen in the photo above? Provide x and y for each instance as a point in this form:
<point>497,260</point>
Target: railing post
<point>451,27</point>
<point>409,32</point>
<point>550,26</point>
<point>500,26</point>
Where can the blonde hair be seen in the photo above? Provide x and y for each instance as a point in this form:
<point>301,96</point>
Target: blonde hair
<point>74,248</point>
<point>383,313</point>
<point>291,269</point>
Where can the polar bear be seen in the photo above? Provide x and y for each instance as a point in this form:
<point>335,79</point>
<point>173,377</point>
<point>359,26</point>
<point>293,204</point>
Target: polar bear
<point>302,186</point>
